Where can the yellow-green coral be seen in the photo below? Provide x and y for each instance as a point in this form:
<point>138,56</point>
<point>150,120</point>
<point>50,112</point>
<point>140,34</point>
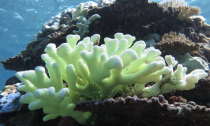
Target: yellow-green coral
<point>99,72</point>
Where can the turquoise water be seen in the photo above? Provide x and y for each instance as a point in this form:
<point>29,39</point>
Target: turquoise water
<point>22,19</point>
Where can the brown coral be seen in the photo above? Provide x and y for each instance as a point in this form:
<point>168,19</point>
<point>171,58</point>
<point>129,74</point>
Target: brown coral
<point>180,6</point>
<point>199,25</point>
<point>14,63</point>
<point>173,44</point>
<point>187,11</point>
<point>155,111</point>
<point>172,3</point>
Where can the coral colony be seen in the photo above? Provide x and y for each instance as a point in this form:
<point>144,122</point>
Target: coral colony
<point>99,72</point>
<point>81,69</point>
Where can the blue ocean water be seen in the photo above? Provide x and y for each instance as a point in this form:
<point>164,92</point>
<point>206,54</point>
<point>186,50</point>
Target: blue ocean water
<point>22,19</point>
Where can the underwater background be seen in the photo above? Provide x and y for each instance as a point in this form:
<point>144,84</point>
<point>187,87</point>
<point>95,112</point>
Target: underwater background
<point>115,82</point>
<point>22,19</point>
